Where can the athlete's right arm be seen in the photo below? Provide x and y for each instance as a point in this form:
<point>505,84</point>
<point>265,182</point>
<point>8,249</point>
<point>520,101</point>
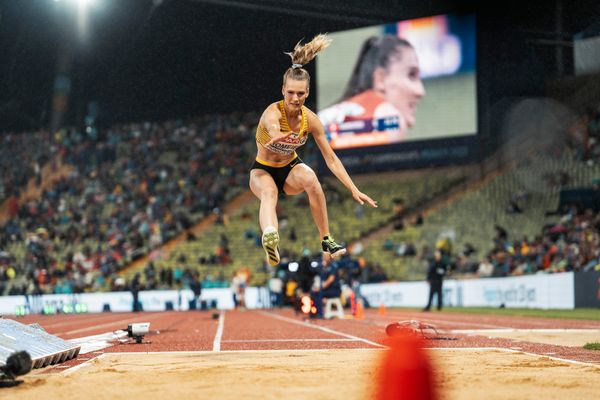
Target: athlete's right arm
<point>270,120</point>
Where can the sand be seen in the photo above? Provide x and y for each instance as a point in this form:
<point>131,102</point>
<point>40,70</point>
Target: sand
<point>572,338</point>
<point>310,374</point>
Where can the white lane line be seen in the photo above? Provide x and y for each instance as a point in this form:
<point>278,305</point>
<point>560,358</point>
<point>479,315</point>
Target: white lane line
<point>106,325</point>
<point>219,334</point>
<point>70,322</point>
<point>485,331</point>
<point>466,348</point>
<point>209,352</point>
<point>94,343</point>
<point>384,321</point>
<point>450,322</point>
<point>322,328</point>
<point>288,340</point>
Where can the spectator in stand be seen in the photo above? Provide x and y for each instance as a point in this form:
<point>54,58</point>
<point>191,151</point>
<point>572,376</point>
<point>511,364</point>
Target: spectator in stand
<point>119,170</point>
<point>486,268</point>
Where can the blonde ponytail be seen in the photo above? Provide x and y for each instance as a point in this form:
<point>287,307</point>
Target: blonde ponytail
<point>302,55</point>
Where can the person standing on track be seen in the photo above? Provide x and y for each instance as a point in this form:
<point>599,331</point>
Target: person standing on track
<point>435,277</point>
<point>283,127</point>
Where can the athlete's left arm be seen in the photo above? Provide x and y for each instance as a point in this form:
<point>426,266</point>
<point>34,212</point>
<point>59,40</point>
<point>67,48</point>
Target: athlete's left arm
<point>333,162</point>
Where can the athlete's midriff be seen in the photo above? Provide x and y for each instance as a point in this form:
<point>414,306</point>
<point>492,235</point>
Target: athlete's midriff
<point>284,151</point>
<point>267,157</point>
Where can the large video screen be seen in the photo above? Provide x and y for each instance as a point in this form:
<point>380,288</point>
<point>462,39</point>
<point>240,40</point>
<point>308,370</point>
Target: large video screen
<point>406,81</point>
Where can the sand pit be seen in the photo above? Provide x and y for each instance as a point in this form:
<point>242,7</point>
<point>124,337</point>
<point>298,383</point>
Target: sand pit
<point>496,374</point>
<point>330,374</point>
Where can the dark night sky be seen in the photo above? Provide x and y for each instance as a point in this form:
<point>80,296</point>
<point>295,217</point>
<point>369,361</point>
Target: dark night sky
<point>149,59</point>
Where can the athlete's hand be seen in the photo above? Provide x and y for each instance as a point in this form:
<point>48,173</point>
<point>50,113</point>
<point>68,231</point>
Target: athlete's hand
<point>280,138</point>
<point>361,198</point>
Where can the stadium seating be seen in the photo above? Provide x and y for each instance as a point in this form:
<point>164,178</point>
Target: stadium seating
<point>471,218</point>
<point>346,223</point>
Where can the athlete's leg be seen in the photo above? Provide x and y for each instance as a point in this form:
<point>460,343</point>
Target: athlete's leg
<point>263,186</point>
<point>302,178</point>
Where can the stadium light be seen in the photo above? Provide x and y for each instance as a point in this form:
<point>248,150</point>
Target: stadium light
<point>82,14</point>
<point>83,7</point>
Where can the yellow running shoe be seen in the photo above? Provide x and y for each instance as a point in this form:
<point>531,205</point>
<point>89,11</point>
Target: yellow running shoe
<point>270,241</point>
<point>332,248</point>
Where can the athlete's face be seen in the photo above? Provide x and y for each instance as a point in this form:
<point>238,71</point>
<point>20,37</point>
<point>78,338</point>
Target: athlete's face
<point>294,93</point>
<point>400,83</point>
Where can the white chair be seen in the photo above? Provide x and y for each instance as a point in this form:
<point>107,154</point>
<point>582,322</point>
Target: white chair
<point>339,310</point>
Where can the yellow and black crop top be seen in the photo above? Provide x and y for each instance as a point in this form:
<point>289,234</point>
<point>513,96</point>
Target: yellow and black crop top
<point>292,142</point>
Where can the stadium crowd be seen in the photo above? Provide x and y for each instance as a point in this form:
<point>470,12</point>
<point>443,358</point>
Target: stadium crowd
<point>22,157</point>
<point>584,135</point>
<point>572,244</point>
<point>134,187</point>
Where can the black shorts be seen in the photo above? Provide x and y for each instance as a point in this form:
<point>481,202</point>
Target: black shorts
<point>279,174</point>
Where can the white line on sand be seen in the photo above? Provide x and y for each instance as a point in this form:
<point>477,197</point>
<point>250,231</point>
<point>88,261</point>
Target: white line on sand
<point>322,328</point>
<point>78,367</point>
<point>209,352</point>
<point>458,349</point>
<point>506,350</point>
<point>550,357</point>
<point>219,334</point>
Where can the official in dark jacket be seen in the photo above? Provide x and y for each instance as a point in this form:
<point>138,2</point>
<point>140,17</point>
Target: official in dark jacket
<point>435,277</point>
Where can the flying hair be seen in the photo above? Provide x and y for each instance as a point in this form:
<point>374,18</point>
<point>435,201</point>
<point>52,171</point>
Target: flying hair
<point>303,54</point>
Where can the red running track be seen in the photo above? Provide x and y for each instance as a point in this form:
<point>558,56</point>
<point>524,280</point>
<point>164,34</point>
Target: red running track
<point>281,329</point>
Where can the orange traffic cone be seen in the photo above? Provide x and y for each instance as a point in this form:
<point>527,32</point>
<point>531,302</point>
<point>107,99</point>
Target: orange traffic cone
<point>360,313</point>
<point>382,309</point>
<point>405,372</point>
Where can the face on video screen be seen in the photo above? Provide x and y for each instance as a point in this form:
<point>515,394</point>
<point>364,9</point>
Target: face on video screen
<point>406,81</point>
<point>400,84</point>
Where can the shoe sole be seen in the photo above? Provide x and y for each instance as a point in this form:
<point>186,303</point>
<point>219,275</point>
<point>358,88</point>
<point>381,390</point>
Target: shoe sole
<point>337,254</point>
<point>270,241</point>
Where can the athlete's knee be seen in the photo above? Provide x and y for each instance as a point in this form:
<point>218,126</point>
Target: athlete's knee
<point>268,193</point>
<point>313,186</point>
<point>308,180</point>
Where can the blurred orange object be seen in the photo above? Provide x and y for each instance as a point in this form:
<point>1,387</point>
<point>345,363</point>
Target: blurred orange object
<point>405,372</point>
<point>360,314</point>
